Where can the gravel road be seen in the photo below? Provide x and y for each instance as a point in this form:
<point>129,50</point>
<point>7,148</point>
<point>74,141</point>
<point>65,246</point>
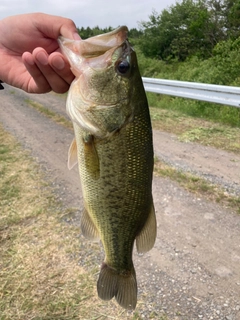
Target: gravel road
<point>193,271</point>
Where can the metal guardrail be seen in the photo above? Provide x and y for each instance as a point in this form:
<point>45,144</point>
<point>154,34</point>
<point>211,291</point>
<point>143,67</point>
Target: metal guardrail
<point>192,90</point>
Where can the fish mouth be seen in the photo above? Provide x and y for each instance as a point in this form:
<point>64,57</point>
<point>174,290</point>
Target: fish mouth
<point>95,62</point>
<point>97,52</point>
<point>100,44</point>
<point>110,56</point>
<point>94,46</point>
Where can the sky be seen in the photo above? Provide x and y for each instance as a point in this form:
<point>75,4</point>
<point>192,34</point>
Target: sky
<point>84,13</point>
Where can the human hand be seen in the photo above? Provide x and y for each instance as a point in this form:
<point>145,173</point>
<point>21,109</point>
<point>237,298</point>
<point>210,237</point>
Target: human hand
<point>30,57</point>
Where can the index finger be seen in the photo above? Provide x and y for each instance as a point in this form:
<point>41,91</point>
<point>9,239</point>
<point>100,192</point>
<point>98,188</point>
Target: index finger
<point>54,26</point>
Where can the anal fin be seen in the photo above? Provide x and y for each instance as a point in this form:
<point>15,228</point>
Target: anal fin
<point>146,238</point>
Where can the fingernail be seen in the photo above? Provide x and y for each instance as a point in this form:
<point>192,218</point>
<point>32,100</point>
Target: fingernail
<point>76,36</point>
<point>27,58</point>
<point>42,58</point>
<point>58,63</point>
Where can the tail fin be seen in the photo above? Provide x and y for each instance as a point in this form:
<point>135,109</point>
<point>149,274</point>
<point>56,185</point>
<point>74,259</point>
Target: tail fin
<point>121,285</point>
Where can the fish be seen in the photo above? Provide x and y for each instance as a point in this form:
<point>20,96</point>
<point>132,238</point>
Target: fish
<point>113,148</point>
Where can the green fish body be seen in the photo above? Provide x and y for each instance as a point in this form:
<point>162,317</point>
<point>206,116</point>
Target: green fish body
<point>114,150</point>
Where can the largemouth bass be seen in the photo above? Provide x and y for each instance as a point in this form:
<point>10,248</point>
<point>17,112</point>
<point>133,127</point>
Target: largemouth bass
<point>113,147</point>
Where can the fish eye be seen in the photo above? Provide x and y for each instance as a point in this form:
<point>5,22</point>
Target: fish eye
<point>123,66</point>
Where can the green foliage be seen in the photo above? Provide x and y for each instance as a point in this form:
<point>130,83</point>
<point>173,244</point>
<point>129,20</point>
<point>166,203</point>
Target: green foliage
<point>184,29</point>
<point>199,109</point>
<point>190,27</point>
<point>153,67</point>
<point>91,32</point>
<point>232,14</point>
<point>88,32</point>
<point>222,68</point>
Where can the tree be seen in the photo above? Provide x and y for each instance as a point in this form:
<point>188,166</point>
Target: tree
<point>192,27</point>
<point>232,21</point>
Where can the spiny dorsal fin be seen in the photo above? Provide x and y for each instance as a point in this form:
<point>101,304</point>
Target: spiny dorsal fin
<point>72,155</point>
<point>91,157</point>
<point>88,228</point>
<point>146,239</point>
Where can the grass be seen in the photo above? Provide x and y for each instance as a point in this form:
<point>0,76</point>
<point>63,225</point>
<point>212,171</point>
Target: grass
<point>50,114</point>
<point>187,128</point>
<point>198,186</point>
<point>41,277</point>
<point>191,129</point>
<point>211,112</point>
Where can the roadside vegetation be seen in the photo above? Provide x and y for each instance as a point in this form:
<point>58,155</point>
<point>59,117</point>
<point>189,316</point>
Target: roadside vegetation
<point>195,70</point>
<point>191,129</point>
<point>198,186</point>
<point>187,128</point>
<point>50,114</point>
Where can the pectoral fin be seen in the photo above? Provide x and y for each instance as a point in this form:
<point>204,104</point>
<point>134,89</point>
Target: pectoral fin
<point>146,239</point>
<point>72,155</point>
<point>88,228</point>
<point>91,157</point>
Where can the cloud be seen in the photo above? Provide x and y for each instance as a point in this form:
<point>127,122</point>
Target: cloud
<point>90,13</point>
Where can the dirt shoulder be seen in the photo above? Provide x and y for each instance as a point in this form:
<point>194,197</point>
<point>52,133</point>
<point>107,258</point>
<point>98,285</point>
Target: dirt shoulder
<point>193,270</point>
<point>217,166</point>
